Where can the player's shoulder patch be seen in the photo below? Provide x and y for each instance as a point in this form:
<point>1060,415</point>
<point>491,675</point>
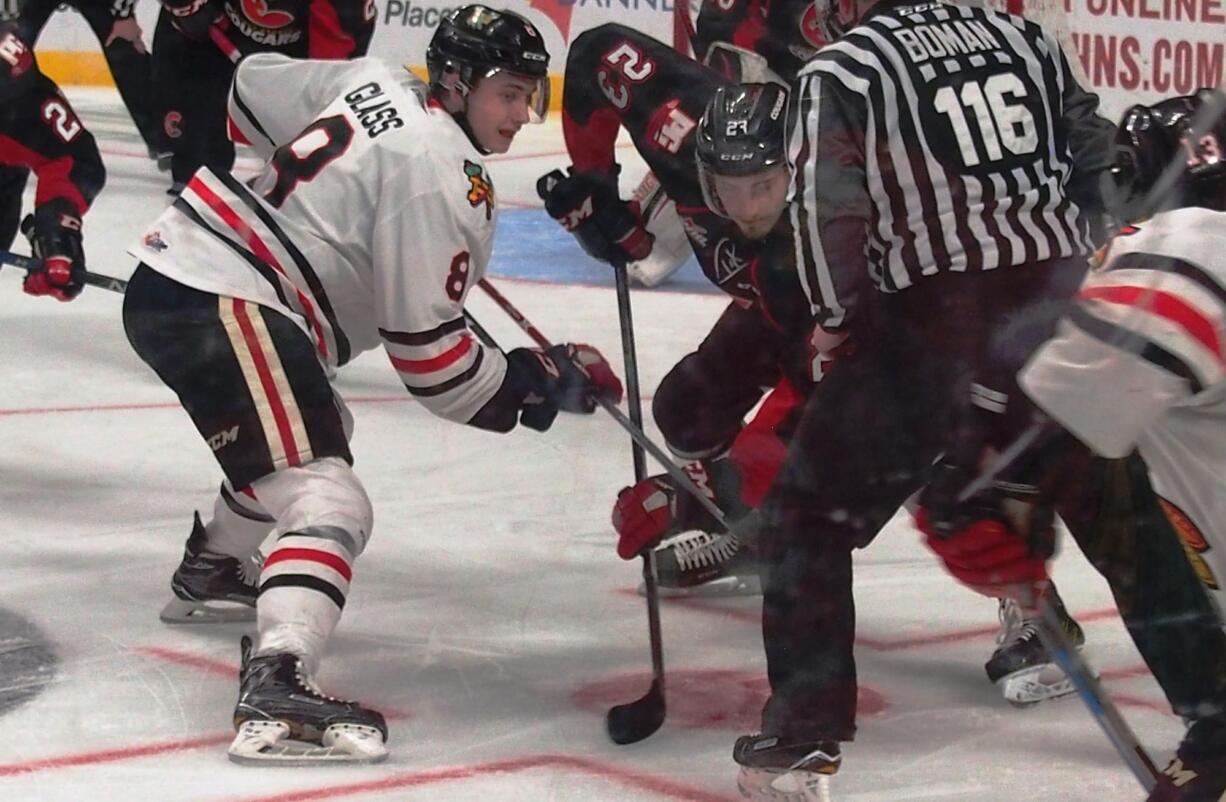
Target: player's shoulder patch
<point>480,189</point>
<point>16,57</point>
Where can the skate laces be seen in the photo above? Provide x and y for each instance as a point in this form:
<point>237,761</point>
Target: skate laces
<point>702,549</point>
<point>1014,626</point>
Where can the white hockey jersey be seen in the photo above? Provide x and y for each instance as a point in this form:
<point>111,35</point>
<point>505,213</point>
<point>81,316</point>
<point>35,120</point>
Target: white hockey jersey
<point>369,223</point>
<point>1141,362</point>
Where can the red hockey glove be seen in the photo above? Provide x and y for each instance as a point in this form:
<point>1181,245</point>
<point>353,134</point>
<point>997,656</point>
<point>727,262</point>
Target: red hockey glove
<point>54,231</point>
<point>193,18</point>
<point>987,557</point>
<point>656,508</point>
<point>644,514</point>
<point>588,206</point>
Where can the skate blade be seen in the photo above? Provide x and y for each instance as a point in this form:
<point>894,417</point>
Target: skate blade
<point>267,743</point>
<point>724,586</point>
<point>764,785</point>
<point>180,611</point>
<point>1030,686</point>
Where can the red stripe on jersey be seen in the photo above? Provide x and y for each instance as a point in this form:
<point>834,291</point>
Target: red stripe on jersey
<point>443,360</point>
<point>235,133</point>
<point>1164,305</point>
<point>54,175</point>
<point>257,246</point>
<point>591,145</point>
<point>255,348</point>
<point>312,555</point>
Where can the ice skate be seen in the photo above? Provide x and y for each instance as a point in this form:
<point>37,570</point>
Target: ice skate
<point>774,770</point>
<point>283,720</point>
<point>1021,666</point>
<point>704,564</point>
<point>212,588</point>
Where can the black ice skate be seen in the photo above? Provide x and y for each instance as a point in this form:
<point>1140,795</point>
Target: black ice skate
<point>212,588</point>
<point>705,564</point>
<point>1021,667</point>
<point>776,770</point>
<point>283,720</point>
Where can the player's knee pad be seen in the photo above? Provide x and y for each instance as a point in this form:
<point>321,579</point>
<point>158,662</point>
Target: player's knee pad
<point>692,428</point>
<point>322,495</point>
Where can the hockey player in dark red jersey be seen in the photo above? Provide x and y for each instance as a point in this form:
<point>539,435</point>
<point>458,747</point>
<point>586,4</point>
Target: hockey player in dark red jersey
<point>39,131</point>
<point>119,35</point>
<point>783,33</point>
<point>192,71</point>
<point>745,41</point>
<point>618,77</point>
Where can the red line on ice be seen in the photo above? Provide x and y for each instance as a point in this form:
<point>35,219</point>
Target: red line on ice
<point>606,771</point>
<point>114,755</point>
<point>206,664</point>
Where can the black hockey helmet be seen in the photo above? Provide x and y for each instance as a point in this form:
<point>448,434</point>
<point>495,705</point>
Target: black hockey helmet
<point>476,41</point>
<point>1151,137</point>
<point>742,132</point>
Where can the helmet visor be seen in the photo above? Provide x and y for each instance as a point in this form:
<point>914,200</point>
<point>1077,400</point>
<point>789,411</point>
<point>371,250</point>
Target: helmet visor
<point>538,93</point>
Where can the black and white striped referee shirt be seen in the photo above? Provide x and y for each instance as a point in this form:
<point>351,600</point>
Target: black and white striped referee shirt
<point>935,138</point>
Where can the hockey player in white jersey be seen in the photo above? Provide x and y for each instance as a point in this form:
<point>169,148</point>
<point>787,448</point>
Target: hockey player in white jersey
<point>1136,363</point>
<point>1140,362</point>
<point>367,226</point>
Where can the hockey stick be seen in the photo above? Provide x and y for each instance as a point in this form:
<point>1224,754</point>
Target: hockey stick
<point>634,721</point>
<point>227,47</point>
<point>1108,716</point>
<point>92,279</point>
<point>683,28</point>
<point>636,432</point>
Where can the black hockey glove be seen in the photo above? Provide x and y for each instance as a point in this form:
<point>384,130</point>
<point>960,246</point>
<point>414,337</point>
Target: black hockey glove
<point>193,18</point>
<point>588,206</point>
<point>54,231</point>
<point>567,378</point>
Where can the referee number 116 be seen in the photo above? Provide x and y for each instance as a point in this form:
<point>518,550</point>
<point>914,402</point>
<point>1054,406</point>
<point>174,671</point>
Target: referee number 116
<point>1002,125</point>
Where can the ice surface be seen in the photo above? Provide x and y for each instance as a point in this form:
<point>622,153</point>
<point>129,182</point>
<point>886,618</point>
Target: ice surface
<point>490,616</point>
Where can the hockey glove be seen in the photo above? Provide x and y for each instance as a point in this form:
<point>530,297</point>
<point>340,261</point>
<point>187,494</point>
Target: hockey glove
<point>655,508</point>
<point>568,378</point>
<point>576,375</point>
<point>825,348</point>
<point>997,542</point>
<point>587,205</point>
<point>193,18</point>
<point>54,231</point>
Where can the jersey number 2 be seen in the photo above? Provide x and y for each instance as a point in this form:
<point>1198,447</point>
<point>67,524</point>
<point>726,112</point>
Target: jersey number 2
<point>319,144</point>
<point>999,122</point>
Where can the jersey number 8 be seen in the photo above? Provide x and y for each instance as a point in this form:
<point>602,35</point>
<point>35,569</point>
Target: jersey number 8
<point>319,144</point>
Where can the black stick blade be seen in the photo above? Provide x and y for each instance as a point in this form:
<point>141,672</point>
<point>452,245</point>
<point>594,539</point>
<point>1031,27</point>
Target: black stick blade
<point>632,722</point>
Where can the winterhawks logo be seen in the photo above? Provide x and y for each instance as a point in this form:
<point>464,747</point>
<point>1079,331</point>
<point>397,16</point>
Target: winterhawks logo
<point>1194,543</point>
<point>480,190</point>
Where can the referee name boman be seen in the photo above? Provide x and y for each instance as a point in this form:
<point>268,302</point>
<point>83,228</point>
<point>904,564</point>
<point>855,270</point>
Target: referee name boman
<point>944,39</point>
